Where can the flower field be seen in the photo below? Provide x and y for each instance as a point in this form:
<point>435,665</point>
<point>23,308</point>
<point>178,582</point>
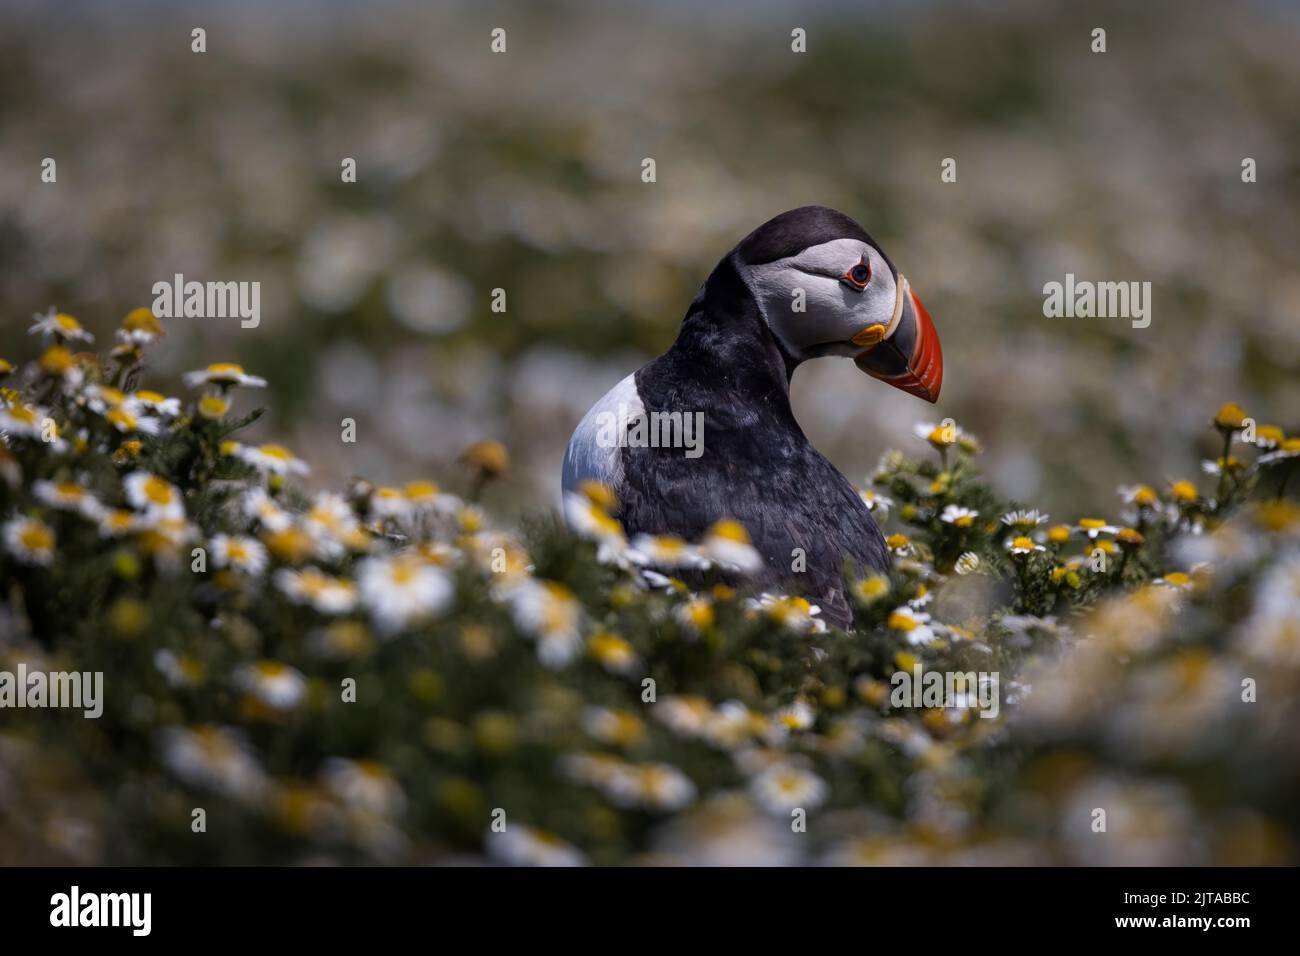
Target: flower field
<point>394,674</point>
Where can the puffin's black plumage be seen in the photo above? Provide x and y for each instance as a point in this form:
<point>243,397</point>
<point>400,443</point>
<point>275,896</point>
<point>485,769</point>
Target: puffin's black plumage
<point>758,467</point>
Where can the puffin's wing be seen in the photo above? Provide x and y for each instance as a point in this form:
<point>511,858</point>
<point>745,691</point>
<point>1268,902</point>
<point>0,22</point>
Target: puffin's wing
<point>802,515</point>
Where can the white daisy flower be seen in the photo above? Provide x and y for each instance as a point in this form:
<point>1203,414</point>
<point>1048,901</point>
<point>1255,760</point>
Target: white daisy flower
<point>258,504</point>
<point>325,593</point>
<point>164,534</point>
<point>1288,448</point>
<point>125,420</point>
<point>389,503</point>
<point>589,518</point>
<point>239,552</point>
<point>945,434</point>
<point>1219,466</point>
<point>958,517</point>
<point>1023,545</point>
<point>58,325</point>
<point>140,327</point>
<point>685,715</point>
<point>152,495</point>
<point>616,727</point>
<point>1141,496</point>
<point>215,758</point>
<point>27,421</point>
<point>696,614</point>
<point>614,653</point>
<point>364,785</point>
<point>654,786</point>
<point>332,524</point>
<point>549,613</point>
<point>180,670</point>
<point>1095,526</point>
<point>1024,520</point>
<point>427,497</point>
<point>402,590</point>
<point>727,545</point>
<point>878,504</point>
<point>795,613</point>
<point>223,374</point>
<point>157,403</point>
<point>915,625</point>
<point>664,551</point>
<point>590,768</point>
<point>783,788</point>
<point>276,685</point>
<point>115,522</point>
<point>67,496</point>
<point>272,459</point>
<point>796,715</point>
<point>733,724</point>
<point>30,541</point>
<point>520,845</point>
<point>101,399</point>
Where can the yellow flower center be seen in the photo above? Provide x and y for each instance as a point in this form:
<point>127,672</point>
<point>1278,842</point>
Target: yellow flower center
<point>1230,416</point>
<point>700,614</point>
<point>36,537</point>
<point>142,320</point>
<point>900,620</point>
<point>404,572</point>
<point>417,490</point>
<point>874,586</point>
<point>122,419</point>
<point>157,490</point>
<point>599,494</point>
<point>213,406</point>
<point>56,359</point>
<point>731,530</point>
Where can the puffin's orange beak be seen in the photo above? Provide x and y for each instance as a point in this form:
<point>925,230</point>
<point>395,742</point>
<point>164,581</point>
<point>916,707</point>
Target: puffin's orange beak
<point>908,356</point>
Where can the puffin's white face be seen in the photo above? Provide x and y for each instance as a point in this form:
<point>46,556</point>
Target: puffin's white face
<point>841,298</point>
<point>842,287</point>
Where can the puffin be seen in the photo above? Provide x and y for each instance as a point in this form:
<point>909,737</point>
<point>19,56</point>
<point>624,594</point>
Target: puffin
<point>809,283</point>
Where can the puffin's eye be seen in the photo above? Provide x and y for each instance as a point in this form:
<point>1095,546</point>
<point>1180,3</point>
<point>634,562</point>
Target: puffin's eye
<point>858,277</point>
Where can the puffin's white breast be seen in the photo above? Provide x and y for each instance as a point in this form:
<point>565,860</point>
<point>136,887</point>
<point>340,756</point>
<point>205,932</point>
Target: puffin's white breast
<point>594,450</point>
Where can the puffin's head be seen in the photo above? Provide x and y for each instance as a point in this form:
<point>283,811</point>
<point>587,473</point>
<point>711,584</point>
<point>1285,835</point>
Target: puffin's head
<point>825,288</point>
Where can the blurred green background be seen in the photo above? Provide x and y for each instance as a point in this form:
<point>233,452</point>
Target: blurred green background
<point>522,171</point>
